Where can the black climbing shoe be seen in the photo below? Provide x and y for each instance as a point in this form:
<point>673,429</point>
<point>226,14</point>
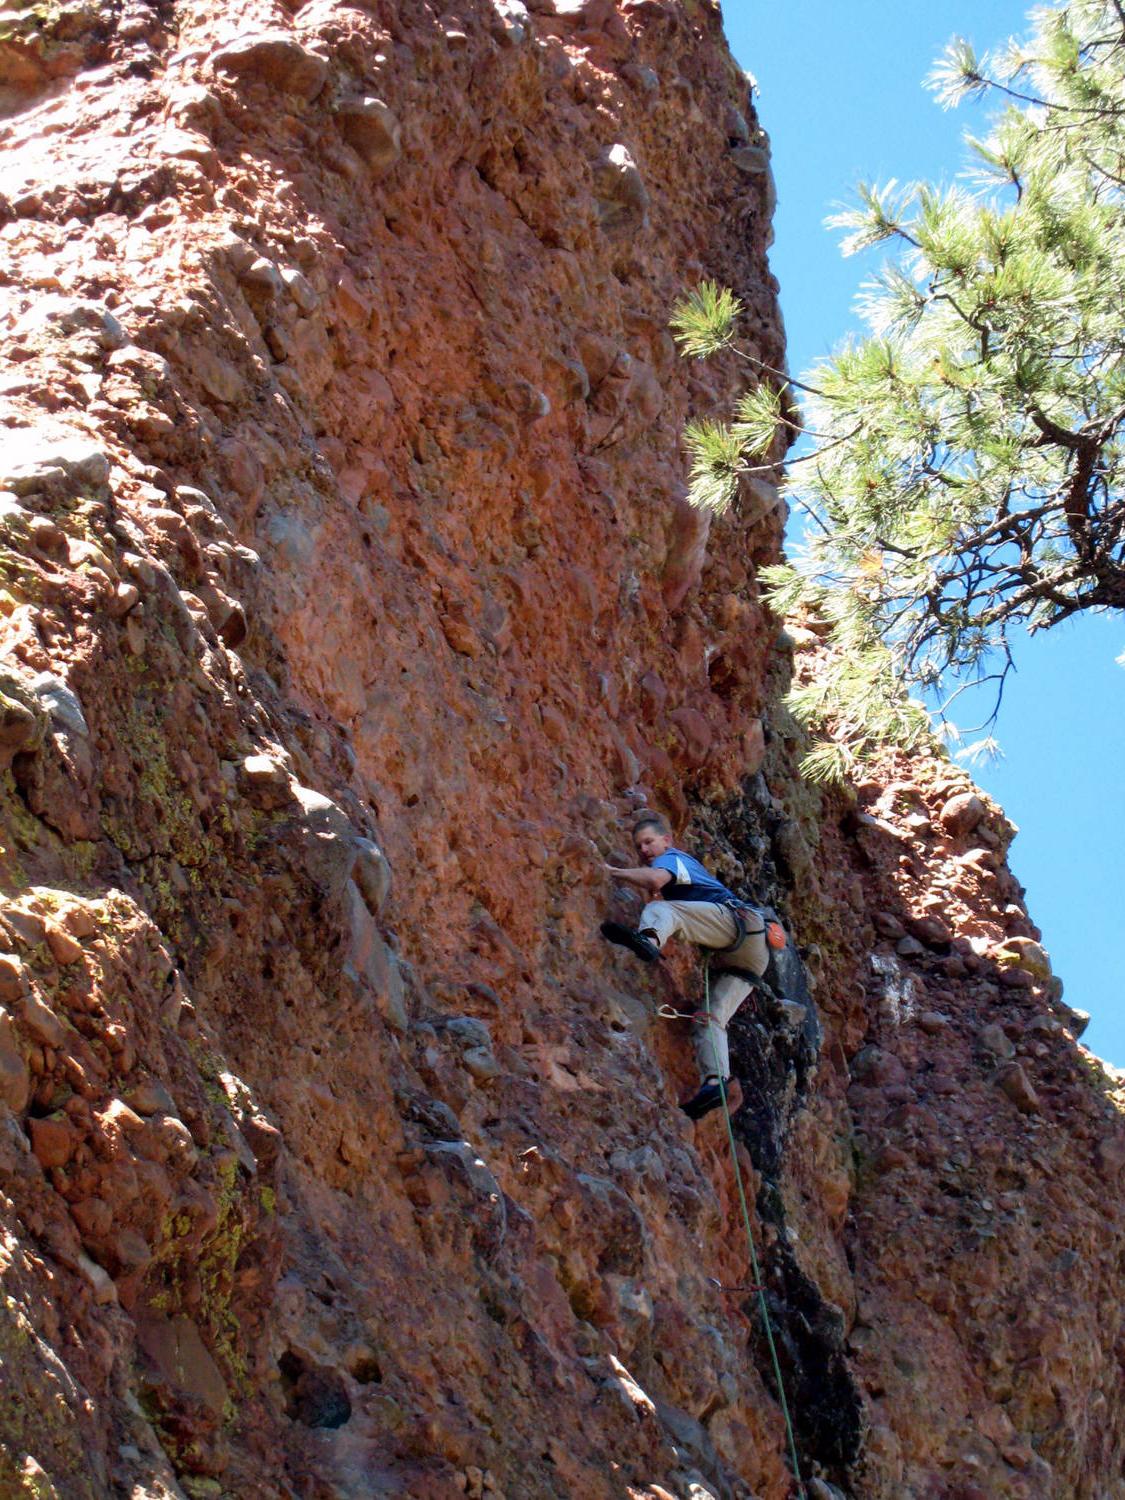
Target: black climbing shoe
<point>636,942</point>
<point>709,1097</point>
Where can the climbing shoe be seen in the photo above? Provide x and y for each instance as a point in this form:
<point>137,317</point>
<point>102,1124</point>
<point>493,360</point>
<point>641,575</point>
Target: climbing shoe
<point>636,942</point>
<point>701,1103</point>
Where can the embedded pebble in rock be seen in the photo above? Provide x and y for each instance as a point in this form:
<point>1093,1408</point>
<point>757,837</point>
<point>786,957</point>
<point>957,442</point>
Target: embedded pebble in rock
<point>754,747</point>
<point>622,197</point>
<point>1024,953</point>
<point>961,814</point>
<point>267,782</point>
<point>1016,1084</point>
<point>64,948</point>
<point>52,1141</point>
<point>644,80</point>
<point>995,1040</point>
<point>32,458</point>
<point>481,1063</point>
<point>300,289</point>
<point>27,926</point>
<point>1016,979</point>
<point>324,839</point>
<point>118,1115</point>
<point>218,377</point>
<point>21,724</point>
<point>888,925</point>
<point>165,1138</point>
<point>93,1217</point>
<point>263,277</point>
<point>370,963</point>
<point>372,874</point>
<point>932,931</point>
<point>278,341</point>
<point>150,1098</point>
<point>371,128</point>
<point>752,160</point>
<point>515,22</point>
<point>820,1489</point>
<point>873,1066</point>
<point>1110,1155</point>
<point>40,1022</point>
<point>61,702</point>
<point>734,123</point>
<point>759,499</point>
<point>932,1022</point>
<point>105,1292</point>
<point>1043,1026</point>
<point>276,59</point>
<point>15,1078</point>
<point>792,849</point>
<point>13,977</point>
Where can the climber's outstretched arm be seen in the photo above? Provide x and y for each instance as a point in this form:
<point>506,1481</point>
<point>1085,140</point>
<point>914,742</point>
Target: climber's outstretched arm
<point>652,882</point>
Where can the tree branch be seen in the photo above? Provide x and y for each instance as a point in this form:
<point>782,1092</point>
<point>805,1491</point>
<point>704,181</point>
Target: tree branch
<point>978,80</point>
<point>805,458</point>
<point>760,364</point>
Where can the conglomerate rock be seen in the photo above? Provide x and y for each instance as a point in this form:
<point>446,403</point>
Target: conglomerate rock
<point>349,606</point>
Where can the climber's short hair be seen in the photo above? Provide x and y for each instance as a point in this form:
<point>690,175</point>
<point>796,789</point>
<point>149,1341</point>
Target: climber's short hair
<point>651,820</point>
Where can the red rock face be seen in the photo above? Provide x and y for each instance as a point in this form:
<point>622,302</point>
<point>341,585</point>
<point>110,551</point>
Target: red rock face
<point>349,607</point>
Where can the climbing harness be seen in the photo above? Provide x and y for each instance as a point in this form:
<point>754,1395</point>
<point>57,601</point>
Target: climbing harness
<point>754,1263</point>
<point>741,930</point>
<point>771,929</point>
<point>757,982</point>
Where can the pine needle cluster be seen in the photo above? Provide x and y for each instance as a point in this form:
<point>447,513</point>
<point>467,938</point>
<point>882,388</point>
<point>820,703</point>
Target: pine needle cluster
<point>965,469</point>
<point>705,322</point>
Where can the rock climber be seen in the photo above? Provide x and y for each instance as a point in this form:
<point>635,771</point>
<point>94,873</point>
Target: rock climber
<point>684,900</point>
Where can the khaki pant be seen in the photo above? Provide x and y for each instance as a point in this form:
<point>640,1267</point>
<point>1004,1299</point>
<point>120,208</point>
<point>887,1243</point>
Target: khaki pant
<point>711,926</point>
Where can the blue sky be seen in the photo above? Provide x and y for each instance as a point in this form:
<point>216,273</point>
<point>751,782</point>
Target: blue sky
<point>840,92</point>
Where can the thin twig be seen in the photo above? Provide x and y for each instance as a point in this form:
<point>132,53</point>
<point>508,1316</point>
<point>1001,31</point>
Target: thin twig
<point>804,457</point>
<point>978,80</point>
<point>753,359</point>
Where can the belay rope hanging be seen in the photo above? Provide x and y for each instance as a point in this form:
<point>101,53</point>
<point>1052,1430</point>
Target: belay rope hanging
<point>704,1018</point>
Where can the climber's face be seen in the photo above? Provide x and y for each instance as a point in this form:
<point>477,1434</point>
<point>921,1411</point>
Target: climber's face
<point>650,842</point>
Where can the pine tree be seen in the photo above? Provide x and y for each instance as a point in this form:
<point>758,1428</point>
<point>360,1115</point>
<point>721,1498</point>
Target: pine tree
<point>965,457</point>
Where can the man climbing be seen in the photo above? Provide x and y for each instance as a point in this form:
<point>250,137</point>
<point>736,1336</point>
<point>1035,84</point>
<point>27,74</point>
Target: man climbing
<point>684,900</point>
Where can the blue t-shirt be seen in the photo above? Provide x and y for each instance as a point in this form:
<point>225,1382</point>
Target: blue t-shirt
<point>690,881</point>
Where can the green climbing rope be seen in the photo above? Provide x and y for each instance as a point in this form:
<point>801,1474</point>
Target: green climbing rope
<point>756,1272</point>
